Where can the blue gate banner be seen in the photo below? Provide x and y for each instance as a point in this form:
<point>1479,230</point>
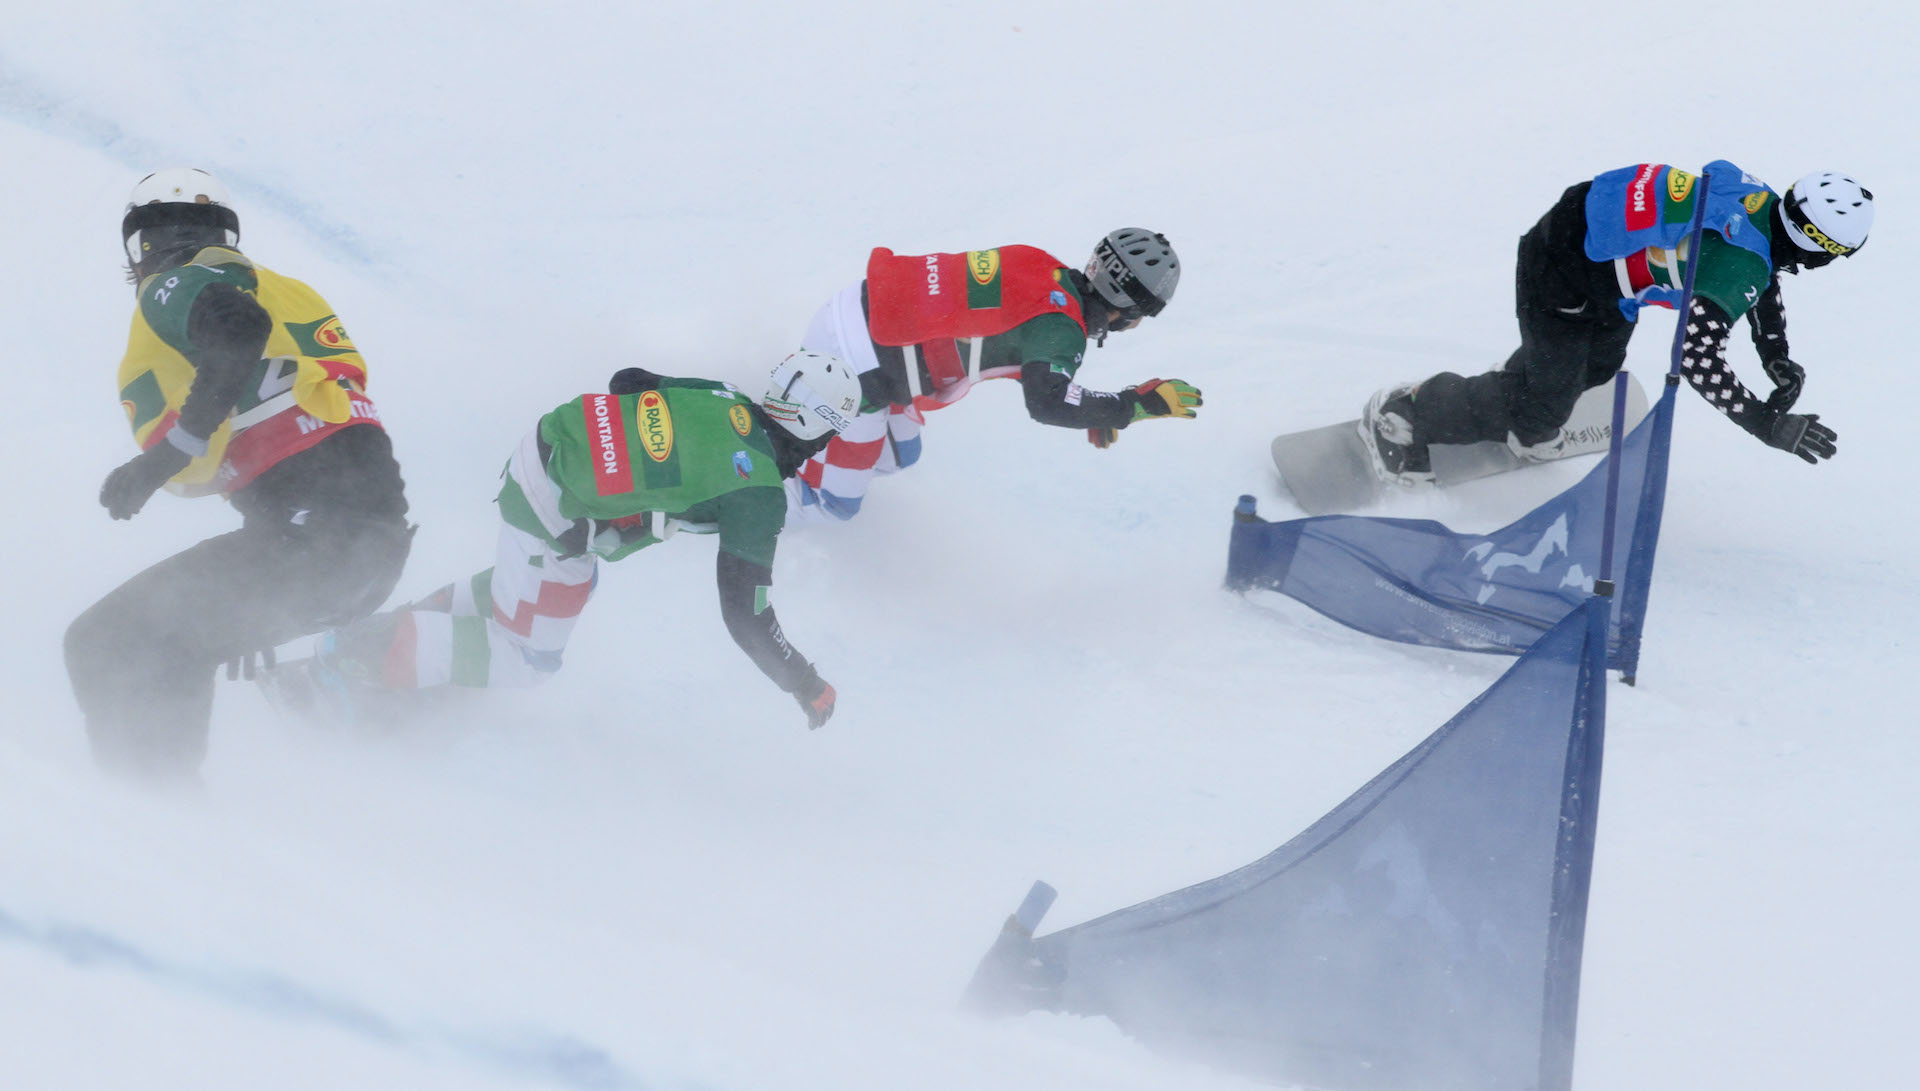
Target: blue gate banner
<point>1417,581</point>
<point>1424,936</point>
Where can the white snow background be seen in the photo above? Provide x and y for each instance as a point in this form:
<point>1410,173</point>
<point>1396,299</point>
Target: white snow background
<point>649,873</point>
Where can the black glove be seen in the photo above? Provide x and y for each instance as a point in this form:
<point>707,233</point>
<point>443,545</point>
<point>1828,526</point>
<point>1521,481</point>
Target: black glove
<point>1787,378</point>
<point>1801,434</point>
<point>819,707</point>
<point>602,537</point>
<point>1102,438</point>
<point>576,541</point>
<point>127,488</point>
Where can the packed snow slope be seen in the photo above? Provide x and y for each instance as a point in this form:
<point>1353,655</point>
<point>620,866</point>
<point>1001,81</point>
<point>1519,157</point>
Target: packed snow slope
<point>649,874</point>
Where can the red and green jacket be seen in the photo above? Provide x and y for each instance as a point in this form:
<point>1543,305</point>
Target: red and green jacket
<point>942,322</point>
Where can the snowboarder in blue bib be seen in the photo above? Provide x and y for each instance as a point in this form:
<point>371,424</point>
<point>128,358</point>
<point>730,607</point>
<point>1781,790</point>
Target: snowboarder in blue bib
<point>1608,248</point>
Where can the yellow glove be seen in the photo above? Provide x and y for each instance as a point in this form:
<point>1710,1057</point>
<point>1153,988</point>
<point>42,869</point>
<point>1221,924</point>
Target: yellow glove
<point>1164,398</point>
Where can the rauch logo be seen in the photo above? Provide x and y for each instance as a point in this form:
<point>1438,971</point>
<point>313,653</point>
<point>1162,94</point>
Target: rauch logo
<point>332,336</point>
<point>984,265</point>
<point>1679,185</point>
<point>656,426</point>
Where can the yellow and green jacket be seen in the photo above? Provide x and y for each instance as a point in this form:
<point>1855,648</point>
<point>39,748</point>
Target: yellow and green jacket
<point>309,384</point>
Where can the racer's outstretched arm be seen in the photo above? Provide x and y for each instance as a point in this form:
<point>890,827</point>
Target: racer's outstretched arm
<point>1703,359</point>
<point>756,629</point>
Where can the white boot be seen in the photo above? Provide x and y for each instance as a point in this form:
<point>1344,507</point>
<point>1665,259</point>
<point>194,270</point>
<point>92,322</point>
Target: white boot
<point>1547,450</point>
<point>1386,430</point>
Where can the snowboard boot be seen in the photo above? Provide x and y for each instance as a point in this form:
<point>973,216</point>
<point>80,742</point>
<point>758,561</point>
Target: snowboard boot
<point>326,693</point>
<point>310,690</point>
<point>1386,430</point>
<point>339,685</point>
<point>1547,450</point>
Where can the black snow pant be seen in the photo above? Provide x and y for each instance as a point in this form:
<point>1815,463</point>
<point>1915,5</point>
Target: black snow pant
<point>143,659</point>
<point>1572,338</point>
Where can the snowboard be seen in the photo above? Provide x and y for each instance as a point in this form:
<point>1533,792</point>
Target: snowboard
<point>1328,472</point>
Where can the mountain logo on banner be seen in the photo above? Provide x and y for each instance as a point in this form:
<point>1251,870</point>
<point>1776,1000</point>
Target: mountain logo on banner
<point>1420,582</point>
<point>1552,543</point>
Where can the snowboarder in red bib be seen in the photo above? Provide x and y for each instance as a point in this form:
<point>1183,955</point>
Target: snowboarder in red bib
<point>922,329</point>
<point>1609,247</point>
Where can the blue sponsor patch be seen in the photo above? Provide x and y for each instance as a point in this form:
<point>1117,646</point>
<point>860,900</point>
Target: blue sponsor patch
<point>742,464</point>
<point>1057,297</point>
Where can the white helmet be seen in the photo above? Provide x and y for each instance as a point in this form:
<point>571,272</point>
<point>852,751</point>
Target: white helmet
<point>179,185</point>
<point>174,209</point>
<point>1828,213</point>
<point>812,394</point>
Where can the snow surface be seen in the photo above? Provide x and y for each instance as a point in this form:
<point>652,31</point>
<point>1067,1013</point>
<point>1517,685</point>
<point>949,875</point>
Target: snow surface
<point>649,874</point>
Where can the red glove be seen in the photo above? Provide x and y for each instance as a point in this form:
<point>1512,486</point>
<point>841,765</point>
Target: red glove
<point>820,708</point>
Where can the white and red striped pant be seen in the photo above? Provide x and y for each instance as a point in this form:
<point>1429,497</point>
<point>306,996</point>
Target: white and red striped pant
<point>504,627</point>
<point>832,484</point>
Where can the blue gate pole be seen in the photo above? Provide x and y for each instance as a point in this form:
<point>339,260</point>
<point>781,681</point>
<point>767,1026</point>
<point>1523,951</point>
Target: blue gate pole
<point>1693,266</point>
<point>1573,859</point>
<point>1646,518</point>
<point>1604,585</point>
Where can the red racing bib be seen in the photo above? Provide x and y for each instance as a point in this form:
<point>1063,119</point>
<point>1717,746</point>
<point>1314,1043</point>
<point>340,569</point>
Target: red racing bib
<point>912,299</point>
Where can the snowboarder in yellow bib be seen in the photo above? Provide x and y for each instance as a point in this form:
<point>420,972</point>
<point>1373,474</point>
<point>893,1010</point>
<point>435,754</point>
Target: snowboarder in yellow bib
<point>241,383</point>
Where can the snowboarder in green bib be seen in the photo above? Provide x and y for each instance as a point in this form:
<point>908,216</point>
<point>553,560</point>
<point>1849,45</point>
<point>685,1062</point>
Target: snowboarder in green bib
<point>601,477</point>
<point>1608,248</point>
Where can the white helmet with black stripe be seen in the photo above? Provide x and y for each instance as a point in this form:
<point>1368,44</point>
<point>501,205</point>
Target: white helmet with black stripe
<point>812,394</point>
<point>1827,213</point>
<point>173,211</point>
